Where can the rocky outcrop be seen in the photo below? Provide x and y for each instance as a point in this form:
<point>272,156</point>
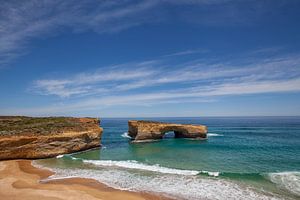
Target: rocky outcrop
<point>44,137</point>
<point>149,130</point>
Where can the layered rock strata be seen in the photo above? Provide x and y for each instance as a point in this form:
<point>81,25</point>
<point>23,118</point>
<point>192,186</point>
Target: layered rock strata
<point>44,137</point>
<point>149,130</point>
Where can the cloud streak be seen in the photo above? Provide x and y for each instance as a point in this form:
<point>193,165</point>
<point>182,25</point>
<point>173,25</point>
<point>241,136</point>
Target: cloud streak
<point>23,21</point>
<point>189,95</point>
<point>158,81</point>
<point>151,75</point>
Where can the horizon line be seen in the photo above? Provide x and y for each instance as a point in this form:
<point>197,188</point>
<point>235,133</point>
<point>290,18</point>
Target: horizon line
<point>124,117</point>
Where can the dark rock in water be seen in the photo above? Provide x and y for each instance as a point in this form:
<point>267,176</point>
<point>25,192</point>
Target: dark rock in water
<point>148,130</point>
<point>44,137</point>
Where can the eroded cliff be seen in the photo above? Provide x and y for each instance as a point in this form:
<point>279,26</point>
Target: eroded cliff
<point>149,130</point>
<point>43,137</point>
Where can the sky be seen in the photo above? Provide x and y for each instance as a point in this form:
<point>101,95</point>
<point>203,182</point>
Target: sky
<point>150,58</point>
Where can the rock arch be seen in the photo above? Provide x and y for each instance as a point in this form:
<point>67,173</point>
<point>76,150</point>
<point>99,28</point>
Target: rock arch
<point>149,130</point>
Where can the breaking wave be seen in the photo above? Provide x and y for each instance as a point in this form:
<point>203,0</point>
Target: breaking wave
<point>67,156</point>
<point>286,180</point>
<point>125,135</point>
<point>176,186</point>
<point>174,183</point>
<point>214,135</point>
<point>132,164</point>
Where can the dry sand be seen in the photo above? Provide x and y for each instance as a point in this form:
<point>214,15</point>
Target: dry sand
<point>20,180</point>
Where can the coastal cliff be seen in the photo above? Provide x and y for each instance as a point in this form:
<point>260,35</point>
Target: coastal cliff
<point>149,130</point>
<point>44,137</point>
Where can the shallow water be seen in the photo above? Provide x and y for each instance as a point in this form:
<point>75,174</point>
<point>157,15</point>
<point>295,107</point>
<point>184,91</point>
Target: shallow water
<point>243,158</point>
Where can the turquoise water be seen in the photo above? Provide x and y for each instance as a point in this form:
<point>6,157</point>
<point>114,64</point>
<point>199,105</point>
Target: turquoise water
<point>243,158</point>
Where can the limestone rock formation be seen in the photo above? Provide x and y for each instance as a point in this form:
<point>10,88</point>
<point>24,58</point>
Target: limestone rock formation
<point>43,137</point>
<point>149,130</point>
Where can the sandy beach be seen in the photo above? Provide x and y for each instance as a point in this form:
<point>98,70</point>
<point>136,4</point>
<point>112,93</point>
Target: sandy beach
<point>20,180</point>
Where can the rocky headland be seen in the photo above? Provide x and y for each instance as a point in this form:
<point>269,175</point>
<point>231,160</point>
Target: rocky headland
<point>43,137</point>
<point>141,131</point>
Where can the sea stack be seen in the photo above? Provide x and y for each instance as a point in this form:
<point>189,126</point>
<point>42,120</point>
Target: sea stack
<point>43,137</point>
<point>141,131</point>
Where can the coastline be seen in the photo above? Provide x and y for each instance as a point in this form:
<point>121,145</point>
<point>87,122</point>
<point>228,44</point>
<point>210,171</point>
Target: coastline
<point>20,180</point>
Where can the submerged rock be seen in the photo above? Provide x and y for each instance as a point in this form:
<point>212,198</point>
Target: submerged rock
<point>44,137</point>
<point>141,131</point>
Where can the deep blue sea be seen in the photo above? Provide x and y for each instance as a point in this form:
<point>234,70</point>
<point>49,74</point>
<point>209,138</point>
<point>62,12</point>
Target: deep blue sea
<point>243,158</point>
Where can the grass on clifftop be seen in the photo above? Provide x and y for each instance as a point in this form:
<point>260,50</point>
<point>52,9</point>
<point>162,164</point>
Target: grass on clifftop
<point>16,125</point>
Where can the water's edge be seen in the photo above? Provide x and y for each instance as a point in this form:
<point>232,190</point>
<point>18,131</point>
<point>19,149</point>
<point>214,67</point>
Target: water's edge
<point>213,183</point>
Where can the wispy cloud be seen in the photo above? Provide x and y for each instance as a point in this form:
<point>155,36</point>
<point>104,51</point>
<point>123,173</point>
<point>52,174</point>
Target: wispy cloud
<point>23,21</point>
<point>102,81</point>
<point>187,95</point>
<point>186,52</point>
<point>154,74</point>
<point>159,81</point>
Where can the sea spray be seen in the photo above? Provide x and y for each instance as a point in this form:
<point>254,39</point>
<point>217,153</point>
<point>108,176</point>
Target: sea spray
<point>171,185</point>
<point>214,135</point>
<point>287,180</point>
<point>125,135</point>
<point>132,164</point>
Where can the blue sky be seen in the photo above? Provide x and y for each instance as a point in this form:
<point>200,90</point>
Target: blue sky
<point>150,58</point>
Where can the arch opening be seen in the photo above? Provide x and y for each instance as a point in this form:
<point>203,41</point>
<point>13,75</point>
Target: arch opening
<point>169,134</point>
<point>172,132</point>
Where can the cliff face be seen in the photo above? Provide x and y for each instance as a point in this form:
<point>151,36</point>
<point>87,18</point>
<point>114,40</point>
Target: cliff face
<point>31,138</point>
<point>147,130</point>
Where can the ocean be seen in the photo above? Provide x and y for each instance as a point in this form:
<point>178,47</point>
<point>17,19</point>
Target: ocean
<point>243,158</point>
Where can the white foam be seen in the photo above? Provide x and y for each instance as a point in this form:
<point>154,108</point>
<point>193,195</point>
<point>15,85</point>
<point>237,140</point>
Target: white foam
<point>125,135</point>
<point>68,156</point>
<point>37,164</point>
<point>214,135</point>
<point>171,185</point>
<point>55,177</point>
<point>215,174</point>
<point>132,164</point>
<point>287,180</point>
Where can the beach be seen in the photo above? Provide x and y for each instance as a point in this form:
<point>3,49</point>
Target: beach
<point>243,158</point>
<point>20,180</point>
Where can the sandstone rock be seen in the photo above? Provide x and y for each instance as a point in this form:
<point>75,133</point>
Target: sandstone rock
<point>32,138</point>
<point>149,130</point>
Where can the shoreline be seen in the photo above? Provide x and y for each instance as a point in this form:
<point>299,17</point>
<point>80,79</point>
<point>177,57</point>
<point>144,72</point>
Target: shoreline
<point>19,179</point>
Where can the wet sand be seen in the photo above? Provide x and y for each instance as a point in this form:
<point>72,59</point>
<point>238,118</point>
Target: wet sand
<point>20,180</point>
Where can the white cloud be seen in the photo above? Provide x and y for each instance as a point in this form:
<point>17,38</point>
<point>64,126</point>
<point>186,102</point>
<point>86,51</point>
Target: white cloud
<point>23,21</point>
<point>187,52</point>
<point>160,73</point>
<point>187,95</point>
<point>292,85</point>
<point>147,83</point>
<point>101,81</point>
